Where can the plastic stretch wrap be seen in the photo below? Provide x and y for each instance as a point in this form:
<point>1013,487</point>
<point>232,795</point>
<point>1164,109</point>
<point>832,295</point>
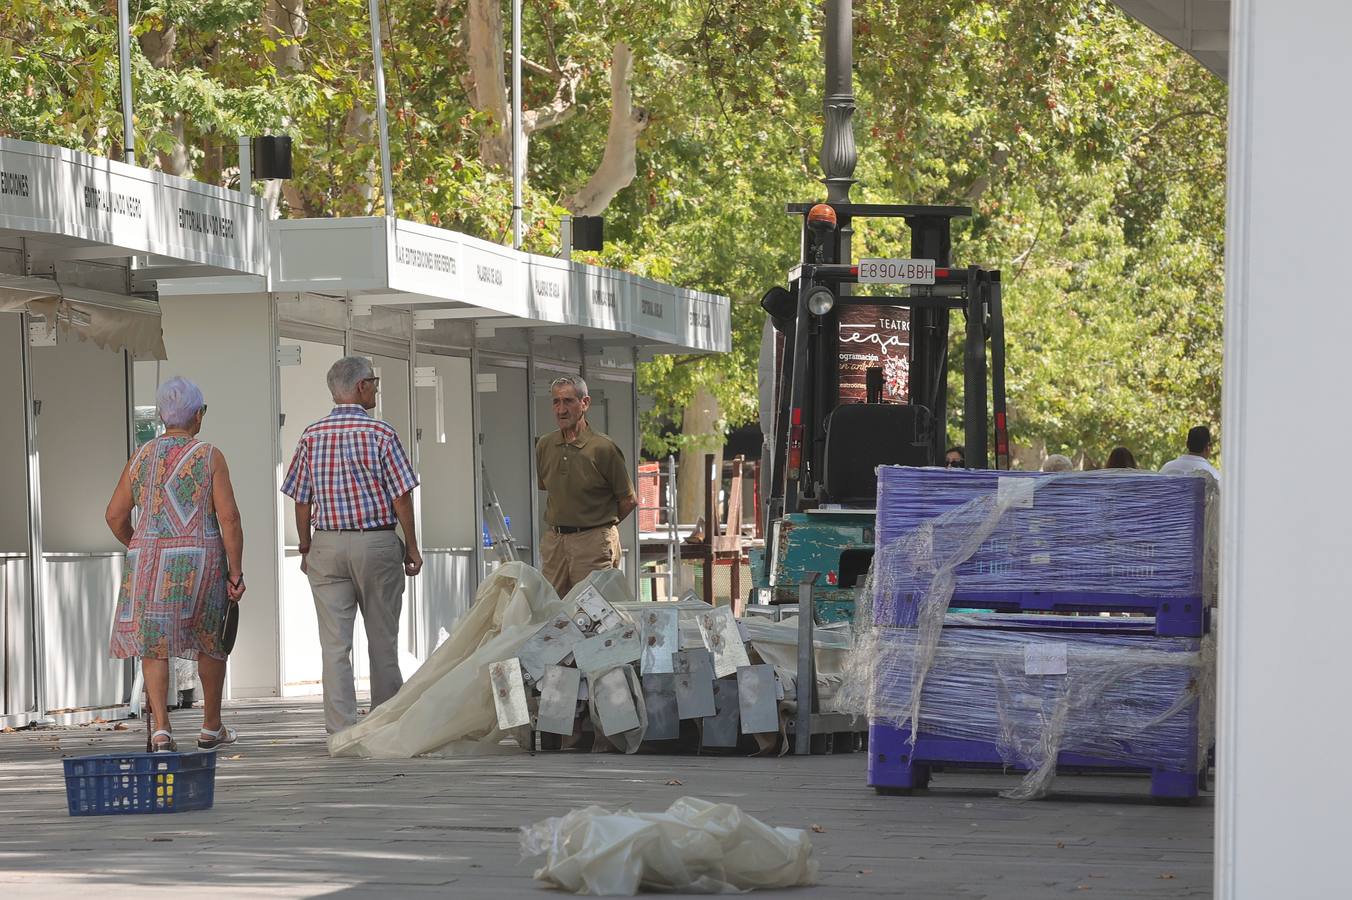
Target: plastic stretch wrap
<point>1113,531</point>
<point>1135,697</point>
<point>694,847</point>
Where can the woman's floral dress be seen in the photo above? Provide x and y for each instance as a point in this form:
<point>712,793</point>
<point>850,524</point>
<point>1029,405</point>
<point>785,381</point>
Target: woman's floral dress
<point>172,597</point>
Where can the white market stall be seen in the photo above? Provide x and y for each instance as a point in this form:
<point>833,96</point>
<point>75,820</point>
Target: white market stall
<point>81,240</point>
<point>466,336</point>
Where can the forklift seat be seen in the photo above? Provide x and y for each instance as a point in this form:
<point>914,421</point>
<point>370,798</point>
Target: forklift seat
<point>862,436</point>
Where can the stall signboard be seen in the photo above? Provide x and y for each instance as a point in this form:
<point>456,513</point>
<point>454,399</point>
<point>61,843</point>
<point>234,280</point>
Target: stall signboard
<point>550,294</point>
<point>490,278</point>
<point>63,193</point>
<point>425,260</point>
<point>874,337</point>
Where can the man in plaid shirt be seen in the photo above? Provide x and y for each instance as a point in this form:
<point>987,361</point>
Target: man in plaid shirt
<point>352,483</point>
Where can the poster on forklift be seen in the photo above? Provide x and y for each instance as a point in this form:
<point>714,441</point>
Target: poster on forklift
<point>875,337</point>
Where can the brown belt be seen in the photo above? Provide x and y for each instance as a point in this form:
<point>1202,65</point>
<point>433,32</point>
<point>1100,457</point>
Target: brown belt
<point>575,529</point>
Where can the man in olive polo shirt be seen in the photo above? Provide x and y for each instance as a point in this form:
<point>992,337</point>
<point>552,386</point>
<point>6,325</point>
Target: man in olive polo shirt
<point>589,491</point>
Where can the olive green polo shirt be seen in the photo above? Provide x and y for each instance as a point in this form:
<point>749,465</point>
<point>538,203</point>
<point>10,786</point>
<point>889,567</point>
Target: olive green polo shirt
<point>586,479</point>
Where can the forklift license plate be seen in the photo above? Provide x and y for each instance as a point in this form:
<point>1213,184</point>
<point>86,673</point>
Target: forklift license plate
<point>896,271</point>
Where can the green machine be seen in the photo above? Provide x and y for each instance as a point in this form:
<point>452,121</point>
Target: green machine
<point>861,380</point>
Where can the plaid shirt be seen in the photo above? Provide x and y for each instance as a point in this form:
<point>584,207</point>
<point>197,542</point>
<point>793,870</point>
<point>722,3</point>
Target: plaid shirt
<point>352,467</point>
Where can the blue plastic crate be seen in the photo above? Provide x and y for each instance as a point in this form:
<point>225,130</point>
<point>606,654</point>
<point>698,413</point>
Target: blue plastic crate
<point>128,783</point>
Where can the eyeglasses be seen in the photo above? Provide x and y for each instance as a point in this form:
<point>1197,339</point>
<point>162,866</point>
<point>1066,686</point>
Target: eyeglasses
<point>374,380</point>
<point>952,464</point>
<point>204,409</point>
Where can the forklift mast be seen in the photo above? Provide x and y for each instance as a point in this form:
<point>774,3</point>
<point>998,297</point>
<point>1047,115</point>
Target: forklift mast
<point>807,317</point>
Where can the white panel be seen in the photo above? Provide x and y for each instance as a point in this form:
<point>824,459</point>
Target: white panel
<point>507,446</point>
<point>1286,572</point>
<point>79,596</point>
<point>346,254</point>
<point>16,625</point>
<point>13,446</point>
<point>550,286</point>
<point>447,470</point>
<point>82,441</point>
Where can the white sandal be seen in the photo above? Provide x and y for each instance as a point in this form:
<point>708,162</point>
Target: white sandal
<point>210,740</point>
<point>166,746</point>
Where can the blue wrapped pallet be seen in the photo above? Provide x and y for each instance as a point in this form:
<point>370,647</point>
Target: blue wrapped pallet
<point>1107,541</point>
<point>1026,686</point>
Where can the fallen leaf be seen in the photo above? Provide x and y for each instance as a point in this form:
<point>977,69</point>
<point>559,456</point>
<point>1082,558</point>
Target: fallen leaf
<point>675,781</point>
<point>865,871</point>
<point>159,840</point>
<point>1167,876</point>
<point>236,756</point>
<point>7,730</point>
<point>1060,845</point>
<point>818,829</point>
<point>120,726</point>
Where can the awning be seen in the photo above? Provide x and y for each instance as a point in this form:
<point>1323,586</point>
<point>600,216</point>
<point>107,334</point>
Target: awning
<point>112,321</point>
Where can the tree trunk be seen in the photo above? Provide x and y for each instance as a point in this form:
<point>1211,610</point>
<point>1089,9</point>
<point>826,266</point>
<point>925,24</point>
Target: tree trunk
<point>158,46</point>
<point>487,81</point>
<point>618,162</point>
<point>285,24</point>
<point>700,424</point>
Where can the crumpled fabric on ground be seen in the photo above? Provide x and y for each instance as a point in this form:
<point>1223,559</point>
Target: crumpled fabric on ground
<point>695,847</point>
<point>446,708</point>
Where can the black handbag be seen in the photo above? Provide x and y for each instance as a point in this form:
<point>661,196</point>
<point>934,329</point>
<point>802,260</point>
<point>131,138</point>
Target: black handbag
<point>229,627</point>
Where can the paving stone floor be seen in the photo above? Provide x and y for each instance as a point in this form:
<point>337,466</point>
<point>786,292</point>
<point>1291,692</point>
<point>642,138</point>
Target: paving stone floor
<point>290,822</point>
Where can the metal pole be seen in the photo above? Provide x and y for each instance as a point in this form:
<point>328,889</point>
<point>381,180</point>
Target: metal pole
<point>533,426</point>
<point>838,154</point>
<point>382,121</point>
<point>246,168</point>
<point>124,71</point>
<point>807,673</point>
<point>37,563</point>
<point>477,457</point>
<point>518,164</point>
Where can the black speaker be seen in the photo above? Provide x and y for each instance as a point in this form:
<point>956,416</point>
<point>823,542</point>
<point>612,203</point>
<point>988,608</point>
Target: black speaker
<point>272,156</point>
<point>587,232</point>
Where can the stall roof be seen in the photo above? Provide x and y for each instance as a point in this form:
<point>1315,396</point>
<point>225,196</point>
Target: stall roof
<point>1200,28</point>
<point>438,275</point>
<point>58,204</point>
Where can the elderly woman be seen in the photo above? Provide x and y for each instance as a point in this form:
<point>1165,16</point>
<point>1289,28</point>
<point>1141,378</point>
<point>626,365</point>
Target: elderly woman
<point>184,558</point>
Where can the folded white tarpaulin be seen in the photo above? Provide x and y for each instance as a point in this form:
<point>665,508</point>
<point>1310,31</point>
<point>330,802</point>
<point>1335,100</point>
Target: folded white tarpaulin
<point>447,708</point>
<point>112,321</point>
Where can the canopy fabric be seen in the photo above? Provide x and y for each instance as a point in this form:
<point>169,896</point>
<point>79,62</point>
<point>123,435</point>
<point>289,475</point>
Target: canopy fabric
<point>112,321</point>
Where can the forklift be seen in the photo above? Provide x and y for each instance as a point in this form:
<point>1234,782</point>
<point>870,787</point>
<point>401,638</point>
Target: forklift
<point>861,381</point>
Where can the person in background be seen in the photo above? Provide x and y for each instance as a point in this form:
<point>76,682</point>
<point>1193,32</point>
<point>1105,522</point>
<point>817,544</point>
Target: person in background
<point>589,491</point>
<point>954,458</point>
<point>1195,460</point>
<point>352,483</point>
<point>1057,463</point>
<point>184,561</point>
<point>1121,458</point>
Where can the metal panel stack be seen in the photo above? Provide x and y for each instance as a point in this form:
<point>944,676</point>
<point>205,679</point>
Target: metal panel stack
<point>632,673</point>
<point>1086,637</point>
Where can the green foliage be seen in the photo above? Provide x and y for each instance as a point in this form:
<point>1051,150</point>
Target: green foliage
<point>1092,152</point>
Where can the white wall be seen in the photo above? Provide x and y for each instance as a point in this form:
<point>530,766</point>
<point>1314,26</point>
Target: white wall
<point>507,448</point>
<point>13,447</point>
<point>225,344</point>
<point>447,470</point>
<point>82,442</point>
<point>1286,571</point>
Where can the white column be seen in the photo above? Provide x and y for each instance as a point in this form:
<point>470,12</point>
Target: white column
<point>227,345</point>
<point>1286,616</point>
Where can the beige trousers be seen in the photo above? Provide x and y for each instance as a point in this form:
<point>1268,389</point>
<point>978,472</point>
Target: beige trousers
<point>570,558</point>
<point>351,571</point>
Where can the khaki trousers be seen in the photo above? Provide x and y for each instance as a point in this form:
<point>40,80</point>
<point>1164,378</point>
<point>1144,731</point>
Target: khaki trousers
<point>570,558</point>
<point>352,571</point>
